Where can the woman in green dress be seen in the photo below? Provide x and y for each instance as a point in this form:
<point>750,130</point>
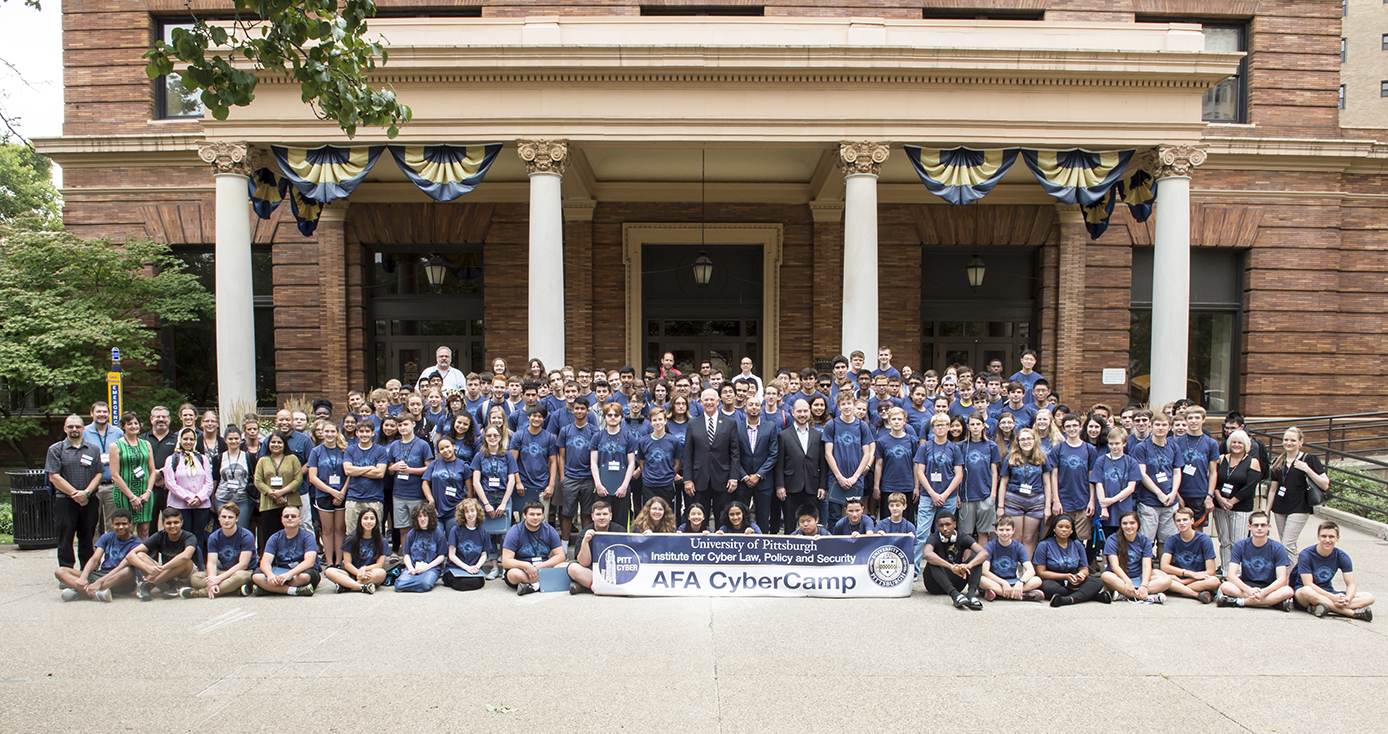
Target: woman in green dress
<point>132,471</point>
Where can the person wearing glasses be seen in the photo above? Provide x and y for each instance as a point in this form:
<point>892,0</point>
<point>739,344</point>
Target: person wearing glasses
<point>1258,570</point>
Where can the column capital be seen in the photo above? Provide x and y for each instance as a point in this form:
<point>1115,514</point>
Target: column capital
<point>224,157</point>
<point>1166,161</point>
<point>544,156</point>
<point>862,157</point>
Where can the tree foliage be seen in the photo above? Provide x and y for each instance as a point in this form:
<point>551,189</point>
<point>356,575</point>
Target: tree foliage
<point>26,185</point>
<point>66,301</point>
<point>314,43</point>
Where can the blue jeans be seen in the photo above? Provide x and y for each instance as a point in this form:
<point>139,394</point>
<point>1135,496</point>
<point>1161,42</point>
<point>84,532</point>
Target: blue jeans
<point>925,522</point>
<point>417,582</point>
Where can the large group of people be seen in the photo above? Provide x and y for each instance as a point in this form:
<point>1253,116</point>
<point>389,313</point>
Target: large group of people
<point>458,478</point>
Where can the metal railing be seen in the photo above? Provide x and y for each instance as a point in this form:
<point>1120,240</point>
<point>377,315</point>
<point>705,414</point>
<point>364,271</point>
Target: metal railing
<point>1347,437</point>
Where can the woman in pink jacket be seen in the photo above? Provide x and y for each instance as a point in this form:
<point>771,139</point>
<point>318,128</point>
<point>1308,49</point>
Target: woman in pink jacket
<point>188,477</point>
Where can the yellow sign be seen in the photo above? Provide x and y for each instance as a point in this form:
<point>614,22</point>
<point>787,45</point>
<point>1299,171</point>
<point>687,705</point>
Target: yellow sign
<point>113,394</point>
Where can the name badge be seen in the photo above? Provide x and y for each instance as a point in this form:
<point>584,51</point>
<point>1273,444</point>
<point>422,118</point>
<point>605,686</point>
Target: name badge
<point>402,477</point>
<point>334,481</point>
<point>1282,491</point>
<point>86,460</point>
<point>1227,489</point>
<point>105,459</point>
<point>1161,476</point>
<point>493,481</point>
<point>276,481</point>
<point>139,472</point>
<point>1024,488</point>
<point>450,492</point>
<point>1189,470</point>
<point>614,466</point>
<point>936,477</point>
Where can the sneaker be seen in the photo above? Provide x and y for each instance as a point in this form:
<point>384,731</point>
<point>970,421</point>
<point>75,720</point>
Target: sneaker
<point>368,588</point>
<point>1204,597</point>
<point>247,589</point>
<point>71,595</point>
<point>343,589</point>
<point>1033,595</point>
<point>172,594</point>
<point>1366,614</point>
<point>1226,601</point>
<point>1285,605</point>
<point>305,591</point>
<point>104,595</point>
<point>989,594</point>
<point>1157,598</point>
<point>524,589</point>
<point>142,591</point>
<point>1105,597</point>
<point>189,592</point>
<point>1061,601</point>
<point>1318,610</point>
<point>975,604</point>
<point>494,573</point>
<point>960,602</point>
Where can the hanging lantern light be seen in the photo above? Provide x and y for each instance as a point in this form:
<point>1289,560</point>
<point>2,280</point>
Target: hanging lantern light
<point>434,271</point>
<point>703,269</point>
<point>975,270</point>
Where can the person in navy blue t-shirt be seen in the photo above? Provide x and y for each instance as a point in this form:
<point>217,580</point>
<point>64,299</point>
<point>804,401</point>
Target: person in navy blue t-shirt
<point>468,545</point>
<point>290,563</point>
<point>1115,477</point>
<point>529,547</point>
<point>1258,574</point>
<point>1315,572</point>
<point>230,553</point>
<point>364,463</point>
<point>854,522</point>
<point>364,555</point>
<point>849,446</point>
<point>1188,559</point>
<point>425,549</point>
<point>1008,572</point>
<point>536,452</point>
<point>1027,377</point>
<point>1130,574</point>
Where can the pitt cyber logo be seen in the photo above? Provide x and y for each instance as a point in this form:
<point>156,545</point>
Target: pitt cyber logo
<point>656,455</point>
<point>578,442</point>
<point>1259,566</point>
<point>1189,559</point>
<point>977,457</point>
<point>1073,461</point>
<point>534,448</point>
<point>618,564</point>
<point>899,452</point>
<point>888,566</point>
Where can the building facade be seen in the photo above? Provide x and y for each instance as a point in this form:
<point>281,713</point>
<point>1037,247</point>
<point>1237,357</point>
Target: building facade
<point>769,141</point>
<point>1364,64</point>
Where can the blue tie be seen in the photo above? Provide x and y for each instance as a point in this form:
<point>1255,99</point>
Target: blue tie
<point>712,426</point>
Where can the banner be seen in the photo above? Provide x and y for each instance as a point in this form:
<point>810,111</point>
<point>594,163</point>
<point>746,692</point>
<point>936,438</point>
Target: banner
<point>752,565</point>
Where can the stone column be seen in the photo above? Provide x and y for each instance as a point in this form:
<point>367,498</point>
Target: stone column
<point>545,160</point>
<point>1069,321</point>
<point>332,290</point>
<point>231,169</point>
<point>1171,168</point>
<point>861,162</point>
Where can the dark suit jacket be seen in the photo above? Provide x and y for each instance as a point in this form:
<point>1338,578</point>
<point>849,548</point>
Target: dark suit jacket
<point>796,470</point>
<point>759,459</point>
<point>710,466</point>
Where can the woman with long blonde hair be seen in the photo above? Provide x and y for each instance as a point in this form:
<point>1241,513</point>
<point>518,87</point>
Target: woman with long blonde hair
<point>1293,473</point>
<point>1024,483</point>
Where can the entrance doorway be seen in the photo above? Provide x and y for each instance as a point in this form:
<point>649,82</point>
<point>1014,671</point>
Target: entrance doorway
<point>973,326</point>
<point>712,312</point>
<point>410,318</point>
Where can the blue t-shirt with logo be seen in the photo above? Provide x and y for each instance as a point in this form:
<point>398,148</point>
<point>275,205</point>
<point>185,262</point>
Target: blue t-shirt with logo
<point>898,467</point>
<point>1198,453</point>
<point>532,456</point>
<point>578,445</point>
<point>529,546</point>
<point>1073,464</point>
<point>1025,480</point>
<point>289,552</point>
<point>494,472</point>
<point>1258,566</point>
<point>423,546</point>
<point>612,451</point>
<point>228,548</point>
<point>365,552</point>
<point>114,549</point>
<point>979,459</point>
<point>328,460</point>
<point>939,460</point>
<point>919,420</point>
<point>1006,561</point>
<point>416,454</point>
<point>469,543</point>
<point>1114,475</point>
<point>1162,463</point>
<point>1069,559</point>
<point>1024,416</point>
<point>448,482</point>
<point>1322,568</point>
<point>845,527</point>
<point>1138,549</point>
<point>850,440</point>
<point>659,455</point>
<point>891,527</point>
<point>1192,555</point>
<point>366,489</point>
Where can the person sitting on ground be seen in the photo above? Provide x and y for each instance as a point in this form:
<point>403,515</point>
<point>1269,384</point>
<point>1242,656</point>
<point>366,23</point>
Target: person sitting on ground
<point>364,554</point>
<point>230,552</point>
<point>1188,559</point>
<point>1130,574</point>
<point>953,563</point>
<point>529,547</point>
<point>656,516</point>
<point>1258,573</point>
<point>807,522</point>
<point>581,570</point>
<point>425,551</point>
<point>1063,566</point>
<point>740,520</point>
<point>1315,570</point>
<point>1008,572</point>
<point>468,543</point>
<point>696,520</point>
<point>109,569</point>
<point>854,522</point>
<point>896,521</point>
<point>290,563</point>
<point>167,558</point>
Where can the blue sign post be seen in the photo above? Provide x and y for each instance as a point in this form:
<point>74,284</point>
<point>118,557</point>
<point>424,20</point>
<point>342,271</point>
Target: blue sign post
<point>113,387</point>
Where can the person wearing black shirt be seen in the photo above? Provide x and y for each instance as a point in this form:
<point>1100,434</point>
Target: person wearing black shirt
<point>953,563</point>
<point>166,558</point>
<point>581,571</point>
<point>162,443</point>
<point>1293,473</point>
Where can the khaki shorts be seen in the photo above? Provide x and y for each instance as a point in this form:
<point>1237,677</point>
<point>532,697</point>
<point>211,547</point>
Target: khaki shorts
<point>354,510</point>
<point>230,585</point>
<point>978,516</point>
<point>1084,525</point>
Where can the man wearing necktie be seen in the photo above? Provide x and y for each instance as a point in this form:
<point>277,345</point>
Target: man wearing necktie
<point>710,456</point>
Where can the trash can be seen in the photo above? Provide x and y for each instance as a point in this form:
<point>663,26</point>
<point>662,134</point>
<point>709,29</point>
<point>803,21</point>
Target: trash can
<point>34,525</point>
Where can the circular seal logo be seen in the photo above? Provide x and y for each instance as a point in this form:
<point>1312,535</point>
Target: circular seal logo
<point>618,564</point>
<point>887,566</point>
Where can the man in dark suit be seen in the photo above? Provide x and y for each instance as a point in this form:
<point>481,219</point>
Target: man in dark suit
<point>711,457</point>
<point>801,469</point>
<point>757,448</point>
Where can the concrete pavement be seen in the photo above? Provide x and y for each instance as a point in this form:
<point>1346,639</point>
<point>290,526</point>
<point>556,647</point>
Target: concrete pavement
<point>447,661</point>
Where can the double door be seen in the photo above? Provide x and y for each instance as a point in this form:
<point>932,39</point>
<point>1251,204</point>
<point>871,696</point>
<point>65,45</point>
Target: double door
<point>723,354</point>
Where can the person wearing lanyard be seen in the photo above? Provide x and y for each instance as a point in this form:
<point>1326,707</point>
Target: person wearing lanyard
<point>329,485</point>
<point>447,480</point>
<point>939,472</point>
<point>102,435</point>
<point>1292,473</point>
<point>277,477</point>
<point>74,469</point>
<point>133,473</point>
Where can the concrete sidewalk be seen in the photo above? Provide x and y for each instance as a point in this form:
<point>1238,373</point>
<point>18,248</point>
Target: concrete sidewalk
<point>447,661</point>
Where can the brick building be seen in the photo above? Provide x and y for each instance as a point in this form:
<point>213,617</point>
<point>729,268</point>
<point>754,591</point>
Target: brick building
<point>638,139</point>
